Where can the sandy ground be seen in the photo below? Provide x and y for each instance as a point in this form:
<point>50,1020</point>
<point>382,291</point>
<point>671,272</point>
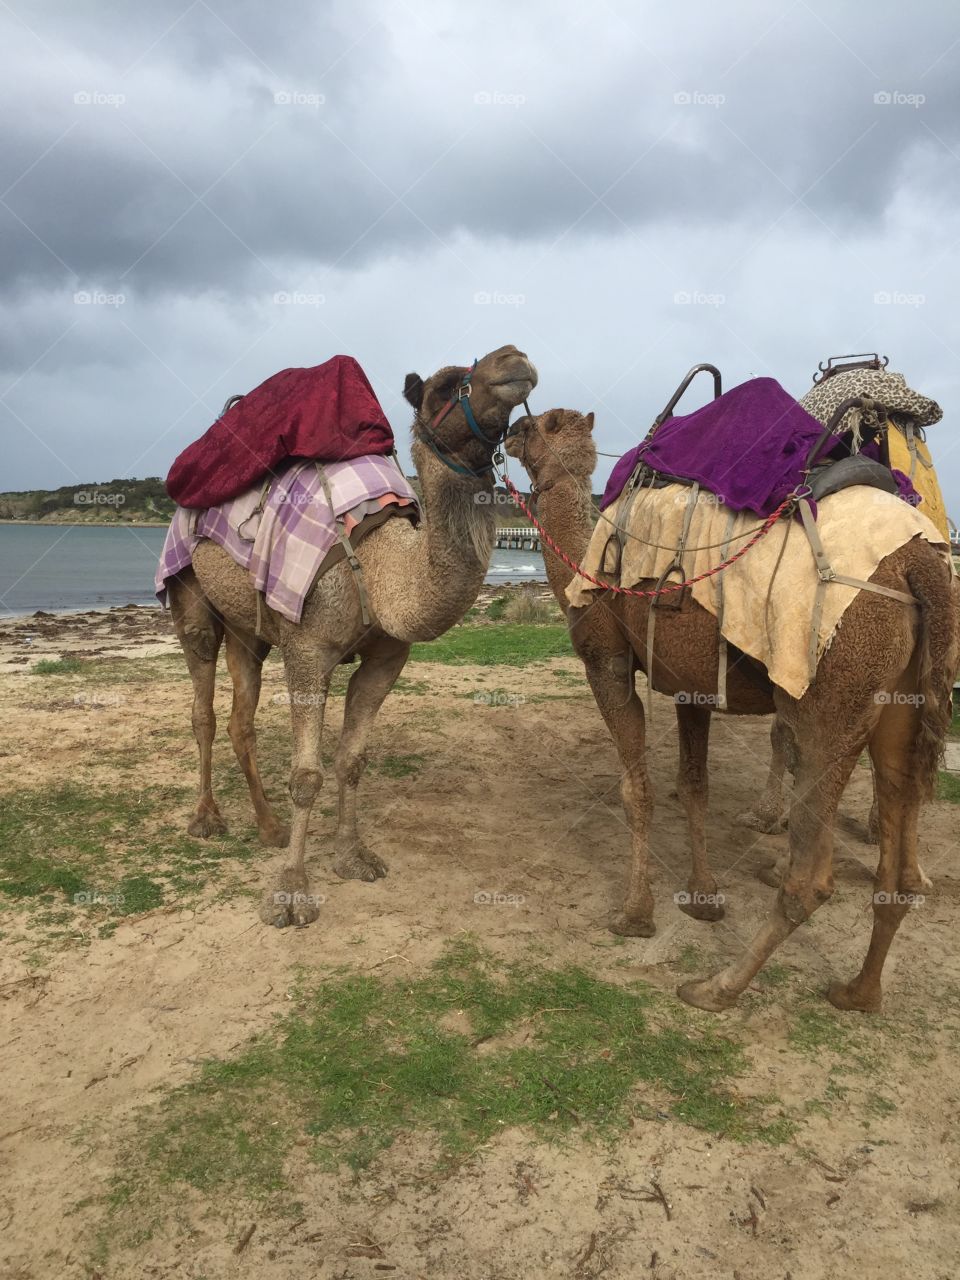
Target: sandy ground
<point>518,798</point>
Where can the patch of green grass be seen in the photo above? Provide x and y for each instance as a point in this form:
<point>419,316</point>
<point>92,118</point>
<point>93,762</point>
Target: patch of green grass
<point>496,608</point>
<point>468,1048</point>
<point>75,854</point>
<point>57,667</point>
<point>510,645</point>
<point>948,788</point>
<point>402,766</point>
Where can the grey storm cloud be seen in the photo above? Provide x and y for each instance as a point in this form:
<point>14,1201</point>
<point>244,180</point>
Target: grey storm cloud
<point>421,180</point>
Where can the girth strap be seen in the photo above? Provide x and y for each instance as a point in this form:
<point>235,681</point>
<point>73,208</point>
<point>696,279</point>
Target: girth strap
<point>693,495</point>
<point>723,655</point>
<point>826,575</point>
<point>349,553</point>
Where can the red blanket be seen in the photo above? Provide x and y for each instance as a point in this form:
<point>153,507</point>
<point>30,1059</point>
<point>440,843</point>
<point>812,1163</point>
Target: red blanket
<point>328,412</point>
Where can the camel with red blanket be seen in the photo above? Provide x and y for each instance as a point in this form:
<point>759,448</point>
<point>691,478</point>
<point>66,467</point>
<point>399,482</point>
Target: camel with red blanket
<point>419,581</point>
<point>884,685</point>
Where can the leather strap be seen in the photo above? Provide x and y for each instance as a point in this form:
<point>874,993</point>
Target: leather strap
<point>722,654</point>
<point>826,575</point>
<point>348,552</point>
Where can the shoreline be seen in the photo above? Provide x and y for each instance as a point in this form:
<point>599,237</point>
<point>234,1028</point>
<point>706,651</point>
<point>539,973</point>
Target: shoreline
<point>91,524</point>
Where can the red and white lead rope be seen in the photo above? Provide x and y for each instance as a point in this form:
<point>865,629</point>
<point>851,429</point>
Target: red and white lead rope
<point>765,528</point>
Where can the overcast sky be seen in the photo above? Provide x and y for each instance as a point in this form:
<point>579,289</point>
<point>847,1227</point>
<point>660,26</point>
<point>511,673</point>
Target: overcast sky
<point>196,195</point>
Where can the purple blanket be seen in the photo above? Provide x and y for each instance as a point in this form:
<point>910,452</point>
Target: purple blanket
<point>749,447</point>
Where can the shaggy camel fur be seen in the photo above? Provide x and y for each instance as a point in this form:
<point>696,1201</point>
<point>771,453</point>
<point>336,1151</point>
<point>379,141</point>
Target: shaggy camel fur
<point>420,581</point>
<point>884,685</point>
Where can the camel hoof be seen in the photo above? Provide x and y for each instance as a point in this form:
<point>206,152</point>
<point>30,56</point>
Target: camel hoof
<point>701,906</point>
<point>276,836</point>
<point>291,903</point>
<point>772,876</point>
<point>205,825</point>
<point>844,996</point>
<point>773,824</point>
<point>628,927</point>
<point>360,864</point>
<point>704,993</point>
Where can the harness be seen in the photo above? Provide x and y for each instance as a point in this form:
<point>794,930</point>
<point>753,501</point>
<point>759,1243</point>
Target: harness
<point>462,397</point>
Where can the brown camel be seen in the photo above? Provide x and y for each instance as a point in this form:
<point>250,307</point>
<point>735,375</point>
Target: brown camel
<point>420,581</point>
<point>884,685</point>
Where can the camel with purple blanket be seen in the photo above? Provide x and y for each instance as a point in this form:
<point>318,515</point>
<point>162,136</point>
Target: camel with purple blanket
<point>883,682</point>
<point>402,583</point>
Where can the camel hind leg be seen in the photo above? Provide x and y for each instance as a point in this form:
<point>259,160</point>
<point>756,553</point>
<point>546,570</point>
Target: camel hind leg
<point>899,882</point>
<point>199,629</point>
<point>702,900</point>
<point>245,658</point>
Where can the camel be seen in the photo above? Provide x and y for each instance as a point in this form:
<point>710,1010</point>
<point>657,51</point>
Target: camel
<point>884,685</point>
<point>420,581</point>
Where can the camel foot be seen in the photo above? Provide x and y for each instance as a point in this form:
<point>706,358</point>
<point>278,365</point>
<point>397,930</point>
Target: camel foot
<point>275,834</point>
<point>846,996</point>
<point>772,875</point>
<point>291,902</point>
<point>701,906</point>
<point>706,993</point>
<point>360,864</point>
<point>205,825</point>
<point>763,820</point>
<point>629,927</point>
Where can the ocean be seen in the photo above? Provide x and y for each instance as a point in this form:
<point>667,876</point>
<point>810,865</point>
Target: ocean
<point>67,568</point>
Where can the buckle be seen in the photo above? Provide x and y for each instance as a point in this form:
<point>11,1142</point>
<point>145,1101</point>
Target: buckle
<point>463,391</point>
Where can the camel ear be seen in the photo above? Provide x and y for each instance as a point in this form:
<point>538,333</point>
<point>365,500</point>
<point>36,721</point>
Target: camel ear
<point>413,389</point>
<point>552,420</point>
<point>589,421</point>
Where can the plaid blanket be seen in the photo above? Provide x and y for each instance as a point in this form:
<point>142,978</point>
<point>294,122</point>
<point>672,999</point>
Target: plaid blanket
<point>280,534</point>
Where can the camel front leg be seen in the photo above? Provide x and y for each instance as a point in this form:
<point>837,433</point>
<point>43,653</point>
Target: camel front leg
<point>610,677</point>
<point>702,899</point>
<point>308,674</point>
<point>769,813</point>
<point>369,685</point>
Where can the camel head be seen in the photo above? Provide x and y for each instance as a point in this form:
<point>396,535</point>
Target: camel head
<point>498,382</point>
<point>554,445</point>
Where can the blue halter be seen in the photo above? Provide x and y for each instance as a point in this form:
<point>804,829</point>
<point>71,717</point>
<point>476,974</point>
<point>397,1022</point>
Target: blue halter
<point>460,397</point>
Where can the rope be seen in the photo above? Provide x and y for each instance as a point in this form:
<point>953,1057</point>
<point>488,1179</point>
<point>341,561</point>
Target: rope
<point>657,591</point>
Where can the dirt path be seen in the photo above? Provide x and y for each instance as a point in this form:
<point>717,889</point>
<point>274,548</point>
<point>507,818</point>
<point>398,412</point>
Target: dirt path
<point>514,793</point>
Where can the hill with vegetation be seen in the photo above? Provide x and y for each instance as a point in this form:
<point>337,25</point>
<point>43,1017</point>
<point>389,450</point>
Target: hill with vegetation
<point>106,502</point>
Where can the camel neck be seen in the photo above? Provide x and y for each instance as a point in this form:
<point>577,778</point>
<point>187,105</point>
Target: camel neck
<point>564,510</point>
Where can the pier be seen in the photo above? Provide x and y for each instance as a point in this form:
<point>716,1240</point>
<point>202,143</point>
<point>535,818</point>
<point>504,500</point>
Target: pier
<point>519,538</point>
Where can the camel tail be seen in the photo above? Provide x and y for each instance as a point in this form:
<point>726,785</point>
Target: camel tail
<point>936,589</point>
